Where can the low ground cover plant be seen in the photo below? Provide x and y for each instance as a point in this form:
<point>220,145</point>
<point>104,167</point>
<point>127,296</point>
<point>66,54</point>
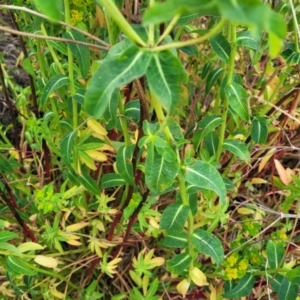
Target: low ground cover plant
<point>149,149</point>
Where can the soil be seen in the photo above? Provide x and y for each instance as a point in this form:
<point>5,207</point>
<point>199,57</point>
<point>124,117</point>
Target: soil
<point>10,50</point>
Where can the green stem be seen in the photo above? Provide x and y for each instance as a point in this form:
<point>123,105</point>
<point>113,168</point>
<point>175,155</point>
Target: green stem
<point>70,68</point>
<point>38,270</point>
<point>52,274</point>
<point>201,39</point>
<point>54,56</point>
<point>161,117</point>
<point>178,33</point>
<point>40,59</point>
<point>151,35</point>
<point>116,15</point>
<point>124,123</point>
<point>295,26</point>
<point>231,66</point>
<point>168,29</point>
<point>282,78</point>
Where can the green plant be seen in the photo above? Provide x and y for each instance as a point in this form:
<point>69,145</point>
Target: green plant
<point>141,140</point>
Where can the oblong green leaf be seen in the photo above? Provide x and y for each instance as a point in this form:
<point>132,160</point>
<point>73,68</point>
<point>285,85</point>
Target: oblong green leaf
<point>179,263</point>
<point>6,236</point>
<point>275,253</point>
<point>204,175</point>
<point>260,17</point>
<point>211,142</point>
<point>275,281</point>
<point>242,289</point>
<point>209,123</point>
<point>288,290</point>
<point>221,47</point>
<point>162,12</point>
<point>238,100</point>
<point>247,39</point>
<point>174,216</point>
<point>176,239</point>
<point>132,111</point>
<point>11,248</point>
<point>124,164</point>
<point>259,131</point>
<point>212,77</point>
<point>238,148</point>
<point>53,84</point>
<point>88,182</point>
<point>53,9</point>
<point>207,243</point>
<point>290,54</point>
<point>294,275</point>
<point>66,147</point>
<point>59,46</point>
<point>80,52</point>
<point>165,76</point>
<point>112,74</point>
<point>111,180</point>
<point>17,266</point>
<point>160,174</point>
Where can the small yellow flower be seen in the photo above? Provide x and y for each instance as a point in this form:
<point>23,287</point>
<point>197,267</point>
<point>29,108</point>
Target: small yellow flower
<point>232,259</point>
<point>231,273</point>
<point>243,264</point>
<point>282,235</point>
<point>76,16</point>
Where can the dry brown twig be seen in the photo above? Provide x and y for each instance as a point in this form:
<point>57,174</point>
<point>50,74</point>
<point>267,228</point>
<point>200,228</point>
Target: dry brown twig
<point>20,8</point>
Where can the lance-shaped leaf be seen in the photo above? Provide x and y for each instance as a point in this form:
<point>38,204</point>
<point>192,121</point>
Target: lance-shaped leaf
<point>204,175</point>
<point>110,115</point>
<point>288,290</point>
<point>174,216</point>
<point>242,289</point>
<point>66,146</point>
<point>124,164</point>
<point>207,243</point>
<point>275,281</point>
<point>179,263</point>
<point>165,76</point>
<point>238,100</point>
<point>111,180</point>
<point>255,14</point>
<point>59,46</point>
<point>247,39</point>
<point>259,131</point>
<point>237,147</point>
<point>294,275</point>
<point>10,248</point>
<point>290,54</point>
<point>18,267</point>
<point>80,52</point>
<point>53,84</point>
<point>52,9</point>
<point>176,239</point>
<point>6,236</point>
<point>112,74</point>
<point>161,12</point>
<point>275,253</point>
<point>221,47</point>
<point>212,77</point>
<point>160,174</point>
<point>88,182</point>
<point>211,142</point>
<point>132,110</point>
<point>208,124</point>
